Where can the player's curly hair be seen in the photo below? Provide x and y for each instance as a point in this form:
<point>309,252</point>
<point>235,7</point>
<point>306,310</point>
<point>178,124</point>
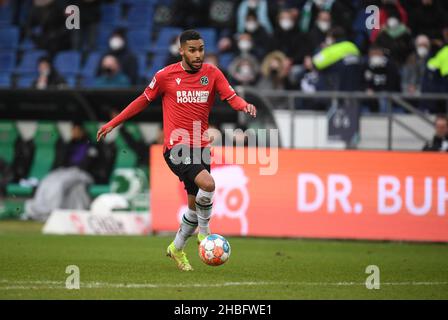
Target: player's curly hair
<point>189,35</point>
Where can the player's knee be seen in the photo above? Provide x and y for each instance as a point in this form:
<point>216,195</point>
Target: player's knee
<point>208,185</point>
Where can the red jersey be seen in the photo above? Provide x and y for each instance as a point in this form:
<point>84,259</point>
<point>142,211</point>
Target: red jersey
<point>187,99</point>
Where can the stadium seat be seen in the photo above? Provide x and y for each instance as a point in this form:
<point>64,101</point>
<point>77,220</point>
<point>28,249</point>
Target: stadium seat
<point>7,61</point>
<point>27,44</point>
<point>210,39</point>
<point>29,61</point>
<point>5,15</point>
<point>90,67</point>
<point>45,139</point>
<point>140,16</point>
<point>26,80</point>
<point>110,14</point>
<point>68,62</point>
<point>157,63</point>
<point>141,61</point>
<point>5,80</point>
<point>8,136</point>
<point>88,82</point>
<point>9,38</point>
<point>103,35</point>
<point>164,38</point>
<point>139,40</point>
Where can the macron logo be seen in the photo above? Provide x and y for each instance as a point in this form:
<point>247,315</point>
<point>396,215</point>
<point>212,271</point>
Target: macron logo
<point>178,81</point>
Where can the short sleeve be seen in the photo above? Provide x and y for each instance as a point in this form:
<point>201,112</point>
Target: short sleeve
<point>154,89</point>
<point>223,87</point>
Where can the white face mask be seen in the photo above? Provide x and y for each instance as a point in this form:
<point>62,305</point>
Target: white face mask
<point>377,61</point>
<point>245,70</point>
<point>319,3</point>
<point>174,49</point>
<point>251,26</point>
<point>244,45</point>
<point>392,22</point>
<point>323,26</point>
<point>422,51</point>
<point>116,43</point>
<point>286,24</point>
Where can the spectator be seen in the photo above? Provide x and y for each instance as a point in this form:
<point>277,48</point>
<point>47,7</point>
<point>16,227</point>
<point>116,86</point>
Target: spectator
<point>48,76</point>
<point>174,55</point>
<point>440,140</point>
<point>413,70</point>
<point>245,67</point>
<point>396,39</point>
<point>257,7</point>
<point>319,31</point>
<point>381,74</point>
<point>128,61</point>
<point>111,74</point>
<point>65,187</point>
<point>274,71</point>
<point>259,35</point>
<point>46,26</point>
<point>288,39</point>
<point>427,17</point>
<point>222,15</point>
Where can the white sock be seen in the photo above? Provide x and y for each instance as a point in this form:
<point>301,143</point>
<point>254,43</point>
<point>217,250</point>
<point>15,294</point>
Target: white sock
<point>204,203</point>
<point>187,228</point>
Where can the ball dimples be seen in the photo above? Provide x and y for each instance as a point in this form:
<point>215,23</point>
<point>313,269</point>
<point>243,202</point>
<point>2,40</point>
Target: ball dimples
<point>214,250</point>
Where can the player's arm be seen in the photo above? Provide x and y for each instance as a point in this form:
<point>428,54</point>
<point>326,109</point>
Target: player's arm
<point>227,93</point>
<point>135,107</point>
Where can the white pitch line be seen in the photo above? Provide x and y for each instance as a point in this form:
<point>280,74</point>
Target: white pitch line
<point>28,285</point>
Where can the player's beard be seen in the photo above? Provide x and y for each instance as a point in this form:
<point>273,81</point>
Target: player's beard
<point>192,67</point>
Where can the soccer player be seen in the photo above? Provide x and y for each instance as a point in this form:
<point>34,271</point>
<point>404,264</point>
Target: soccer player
<point>188,92</point>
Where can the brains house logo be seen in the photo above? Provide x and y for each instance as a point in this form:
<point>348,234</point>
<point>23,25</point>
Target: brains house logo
<point>204,80</point>
<point>231,198</point>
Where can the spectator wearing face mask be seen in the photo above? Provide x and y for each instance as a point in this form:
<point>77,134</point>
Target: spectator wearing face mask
<point>319,30</point>
<point>257,7</point>
<point>288,38</point>
<point>48,76</point>
<point>111,74</point>
<point>244,68</point>
<point>380,74</point>
<point>396,38</point>
<point>415,65</point>
<point>127,59</point>
<point>274,71</point>
<point>440,140</point>
<point>258,34</point>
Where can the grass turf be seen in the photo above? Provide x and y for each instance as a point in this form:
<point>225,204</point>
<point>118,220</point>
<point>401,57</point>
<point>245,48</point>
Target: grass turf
<point>32,266</point>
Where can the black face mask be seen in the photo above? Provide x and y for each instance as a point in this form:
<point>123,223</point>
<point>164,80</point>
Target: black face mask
<point>273,72</point>
<point>107,71</point>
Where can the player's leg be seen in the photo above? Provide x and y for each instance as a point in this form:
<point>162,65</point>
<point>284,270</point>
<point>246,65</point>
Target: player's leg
<point>188,224</point>
<point>204,201</point>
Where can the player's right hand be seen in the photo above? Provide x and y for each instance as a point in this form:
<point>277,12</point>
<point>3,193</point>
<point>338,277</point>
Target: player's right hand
<point>102,132</point>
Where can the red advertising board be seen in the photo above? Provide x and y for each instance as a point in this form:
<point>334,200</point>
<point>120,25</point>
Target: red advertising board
<point>316,194</point>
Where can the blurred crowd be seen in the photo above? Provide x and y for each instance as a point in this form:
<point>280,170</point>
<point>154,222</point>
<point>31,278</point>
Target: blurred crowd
<point>307,45</point>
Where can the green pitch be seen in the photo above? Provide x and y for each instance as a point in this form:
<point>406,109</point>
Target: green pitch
<point>32,266</point>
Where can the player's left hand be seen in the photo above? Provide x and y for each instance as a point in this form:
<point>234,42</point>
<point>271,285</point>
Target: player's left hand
<point>250,108</point>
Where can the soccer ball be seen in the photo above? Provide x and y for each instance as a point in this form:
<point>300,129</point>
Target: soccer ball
<point>214,250</point>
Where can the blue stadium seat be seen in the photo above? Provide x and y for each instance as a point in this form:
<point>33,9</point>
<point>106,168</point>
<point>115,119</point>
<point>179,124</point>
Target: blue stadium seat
<point>225,59</point>
<point>29,61</point>
<point>164,38</point>
<point>68,62</point>
<point>5,15</point>
<point>140,16</point>
<point>210,39</point>
<point>110,14</point>
<point>88,82</point>
<point>25,81</point>
<point>9,38</point>
<point>7,61</point>
<point>102,40</point>
<point>27,44</point>
<point>5,80</point>
<point>71,81</point>
<point>157,63</point>
<point>139,40</point>
<point>90,67</point>
<point>141,62</point>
